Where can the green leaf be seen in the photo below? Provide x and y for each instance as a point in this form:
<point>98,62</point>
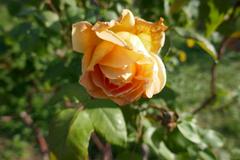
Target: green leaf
<point>74,90</point>
<point>69,135</point>
<point>206,155</point>
<point>212,138</point>
<point>215,19</point>
<point>50,18</point>
<point>108,121</point>
<point>165,152</point>
<point>201,41</point>
<point>158,147</point>
<point>167,94</point>
<point>189,131</point>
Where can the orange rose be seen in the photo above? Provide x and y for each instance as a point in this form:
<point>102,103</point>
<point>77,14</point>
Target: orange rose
<point>120,59</point>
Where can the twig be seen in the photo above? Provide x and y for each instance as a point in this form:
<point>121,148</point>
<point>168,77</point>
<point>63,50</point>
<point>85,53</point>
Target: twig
<point>105,149</point>
<point>27,119</point>
<point>220,53</point>
<point>213,93</point>
<point>145,152</point>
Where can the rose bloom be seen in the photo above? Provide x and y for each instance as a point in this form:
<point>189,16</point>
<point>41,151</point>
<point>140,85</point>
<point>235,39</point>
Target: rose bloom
<point>120,57</point>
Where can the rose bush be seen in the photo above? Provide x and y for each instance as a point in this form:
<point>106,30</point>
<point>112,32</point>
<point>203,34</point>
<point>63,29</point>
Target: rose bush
<point>121,59</point>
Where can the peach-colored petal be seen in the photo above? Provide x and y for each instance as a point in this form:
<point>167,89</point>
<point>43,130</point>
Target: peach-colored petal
<point>125,23</point>
<point>144,71</point>
<point>82,35</point>
<point>111,89</point>
<point>133,42</point>
<point>119,58</point>
<point>127,88</point>
<point>158,79</point>
<point>100,81</point>
<point>110,36</point>
<point>161,73</point>
<point>93,90</point>
<point>100,51</point>
<point>151,34</point>
<point>124,74</point>
<point>86,59</point>
<point>134,95</point>
<point>102,26</point>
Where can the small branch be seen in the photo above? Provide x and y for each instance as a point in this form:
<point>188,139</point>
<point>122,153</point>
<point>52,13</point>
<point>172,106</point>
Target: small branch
<point>27,119</point>
<point>6,118</point>
<point>52,7</point>
<point>105,149</point>
<point>213,91</point>
<point>145,152</point>
<point>204,104</point>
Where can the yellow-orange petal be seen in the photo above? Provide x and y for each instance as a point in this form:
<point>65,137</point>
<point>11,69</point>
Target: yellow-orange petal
<point>83,37</point>
<point>151,34</point>
<point>158,79</point>
<point>133,43</point>
<point>87,59</point>
<point>126,21</point>
<point>100,51</point>
<point>112,37</point>
<point>119,58</point>
<point>123,74</point>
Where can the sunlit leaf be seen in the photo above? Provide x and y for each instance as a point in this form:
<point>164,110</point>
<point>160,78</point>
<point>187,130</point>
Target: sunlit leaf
<point>206,155</point>
<point>215,19</point>
<point>108,121</point>
<point>158,147</point>
<point>50,18</point>
<point>189,131</point>
<point>69,135</point>
<point>201,41</point>
<point>212,138</point>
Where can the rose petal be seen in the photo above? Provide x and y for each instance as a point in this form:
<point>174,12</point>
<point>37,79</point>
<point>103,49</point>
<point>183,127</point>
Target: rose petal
<point>134,95</point>
<point>151,34</point>
<point>110,36</point>
<point>119,58</point>
<point>87,82</point>
<point>99,80</point>
<point>125,23</point>
<point>124,74</point>
<point>144,71</point>
<point>158,79</point>
<point>82,35</point>
<point>133,42</point>
<point>101,51</point>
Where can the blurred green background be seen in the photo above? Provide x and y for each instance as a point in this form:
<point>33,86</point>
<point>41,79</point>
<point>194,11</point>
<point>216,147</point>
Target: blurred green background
<point>37,62</point>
